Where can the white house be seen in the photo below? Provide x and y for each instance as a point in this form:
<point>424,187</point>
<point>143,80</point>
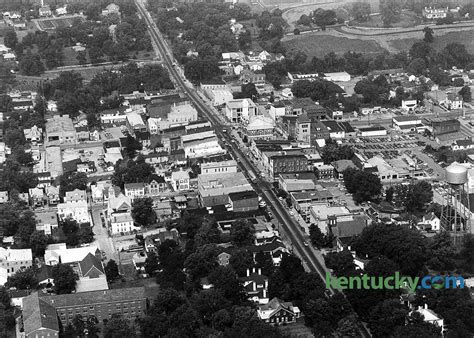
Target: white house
<point>430,222</point>
<point>78,211</point>
<point>462,144</point>
<point>180,180</point>
<point>409,104</point>
<point>431,317</point>
<point>13,260</point>
<point>435,13</point>
<point>453,101</point>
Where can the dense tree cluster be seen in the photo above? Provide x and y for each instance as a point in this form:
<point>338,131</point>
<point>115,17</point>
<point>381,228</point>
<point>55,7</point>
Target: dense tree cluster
<point>142,211</point>
<point>65,278</point>
<point>132,171</point>
<point>364,186</point>
<point>414,197</point>
<point>321,90</point>
<point>335,152</point>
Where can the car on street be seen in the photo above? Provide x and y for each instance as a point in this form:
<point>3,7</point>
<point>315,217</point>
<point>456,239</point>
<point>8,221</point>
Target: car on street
<point>306,244</point>
<point>292,213</point>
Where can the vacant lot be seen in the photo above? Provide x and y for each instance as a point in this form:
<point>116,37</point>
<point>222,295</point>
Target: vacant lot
<point>320,45</point>
<point>464,37</point>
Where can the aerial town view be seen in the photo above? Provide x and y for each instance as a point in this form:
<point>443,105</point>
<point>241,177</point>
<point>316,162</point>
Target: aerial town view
<point>236,168</point>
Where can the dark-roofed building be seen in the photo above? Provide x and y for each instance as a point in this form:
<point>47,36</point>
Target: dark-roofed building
<point>342,165</point>
<point>41,313</point>
<point>243,201</point>
<point>372,131</point>
<point>303,200</point>
<point>344,230</point>
<point>40,319</point>
<point>339,130</point>
<point>71,166</point>
<point>277,312</point>
<point>91,267</point>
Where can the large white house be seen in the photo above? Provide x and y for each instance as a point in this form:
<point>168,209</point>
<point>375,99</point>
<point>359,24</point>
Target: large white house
<point>13,260</point>
<point>240,110</point>
<point>76,210</point>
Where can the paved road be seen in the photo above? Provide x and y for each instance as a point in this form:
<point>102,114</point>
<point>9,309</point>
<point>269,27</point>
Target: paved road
<point>288,224</point>
<point>101,236</point>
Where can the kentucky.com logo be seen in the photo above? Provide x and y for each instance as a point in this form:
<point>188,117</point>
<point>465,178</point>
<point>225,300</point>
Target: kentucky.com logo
<point>395,282</point>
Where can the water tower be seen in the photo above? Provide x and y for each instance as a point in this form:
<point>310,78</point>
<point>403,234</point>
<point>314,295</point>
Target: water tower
<point>456,215</point>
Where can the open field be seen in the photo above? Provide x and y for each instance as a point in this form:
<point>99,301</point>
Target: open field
<point>53,23</point>
<point>320,45</point>
<point>464,37</point>
<point>408,19</point>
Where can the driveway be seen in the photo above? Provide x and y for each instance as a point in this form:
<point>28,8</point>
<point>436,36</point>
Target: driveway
<point>101,236</point>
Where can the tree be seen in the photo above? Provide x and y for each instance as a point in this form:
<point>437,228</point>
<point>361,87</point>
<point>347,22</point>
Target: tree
<point>226,280</point>
<point>23,280</point>
<point>304,20</point>
<point>117,326</point>
<point>342,263</point>
<point>363,185</point>
<point>404,246</point>
<point>296,31</point>
<point>151,263</point>
<point>38,243</point>
<point>417,66</point>
<point>71,231</point>
<point>324,18</point>
<point>31,64</point>
<point>240,261</point>
<point>112,271</point>
<point>391,11</point>
<point>360,11</point>
<point>316,236</point>
<point>71,181</point>
<point>385,317</point>
<point>10,39</point>
<point>64,279</point>
<point>242,232</point>
<point>81,58</point>
<point>132,145</point>
<point>418,196</point>
<point>417,327</point>
<point>201,262</point>
<point>428,34</point>
<point>348,326</point>
<point>465,92</point>
<point>143,212</point>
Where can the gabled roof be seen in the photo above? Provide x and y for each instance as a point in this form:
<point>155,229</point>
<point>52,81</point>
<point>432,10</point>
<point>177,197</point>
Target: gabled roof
<point>89,263</point>
<point>38,314</point>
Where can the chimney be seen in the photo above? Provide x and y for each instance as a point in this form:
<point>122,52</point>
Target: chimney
<point>248,272</point>
<point>266,285</point>
<point>259,271</point>
<point>254,286</point>
<point>426,306</point>
<point>253,270</point>
<point>264,293</point>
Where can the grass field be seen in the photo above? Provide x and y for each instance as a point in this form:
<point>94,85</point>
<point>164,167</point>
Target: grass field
<point>320,45</point>
<point>54,23</point>
<point>464,37</point>
<point>408,19</point>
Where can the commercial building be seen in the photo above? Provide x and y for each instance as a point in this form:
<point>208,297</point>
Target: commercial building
<point>77,211</point>
<point>182,113</point>
<point>60,130</point>
<point>214,189</point>
<point>297,182</point>
<point>240,110</point>
<point>243,201</point>
<point>442,126</point>
<point>372,131</point>
<point>219,97</point>
<point>214,165</point>
<point>260,127</point>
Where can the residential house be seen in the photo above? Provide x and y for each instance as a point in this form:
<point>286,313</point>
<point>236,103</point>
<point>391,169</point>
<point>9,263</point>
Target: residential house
<point>82,134</point>
<point>34,135</point>
<point>52,194</point>
<point>453,101</point>
<point>223,259</point>
<point>43,315</point>
<point>180,180</point>
<point>119,209</point>
<point>276,249</point>
<point>111,9</point>
<point>77,211</point>
<point>37,197</point>
<point>430,222</point>
<point>99,192</point>
<point>256,286</point>
<point>12,261</point>
<point>75,196</point>
<point>17,296</point>
<point>59,253</point>
<point>431,13</point>
<point>431,317</point>
<point>409,104</point>
<point>277,312</point>
<point>134,190</point>
<point>91,274</point>
<point>46,221</point>
<point>163,209</point>
<point>4,151</point>
<point>44,11</point>
<point>155,185</point>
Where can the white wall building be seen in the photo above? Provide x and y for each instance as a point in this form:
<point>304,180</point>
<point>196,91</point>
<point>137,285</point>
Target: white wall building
<point>78,211</point>
<point>13,260</point>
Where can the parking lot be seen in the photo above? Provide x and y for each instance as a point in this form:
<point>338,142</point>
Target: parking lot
<point>387,147</point>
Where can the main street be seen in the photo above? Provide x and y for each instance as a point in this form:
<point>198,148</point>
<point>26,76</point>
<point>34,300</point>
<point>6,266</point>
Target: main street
<point>288,225</point>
